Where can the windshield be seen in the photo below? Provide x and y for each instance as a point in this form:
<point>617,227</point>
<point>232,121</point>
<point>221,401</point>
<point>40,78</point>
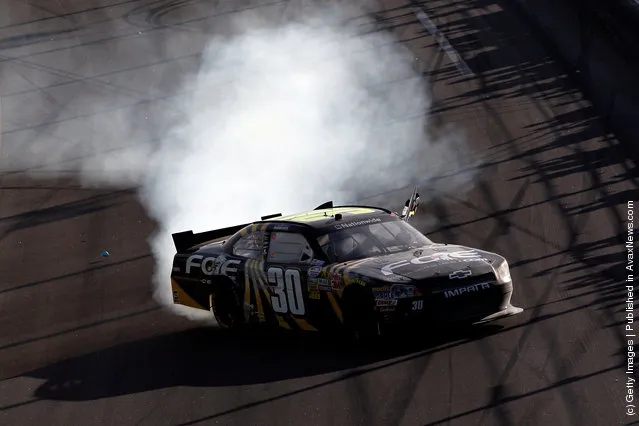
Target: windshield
<point>371,240</point>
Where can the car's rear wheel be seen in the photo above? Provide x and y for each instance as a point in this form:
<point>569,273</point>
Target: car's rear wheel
<point>360,317</point>
<point>226,307</point>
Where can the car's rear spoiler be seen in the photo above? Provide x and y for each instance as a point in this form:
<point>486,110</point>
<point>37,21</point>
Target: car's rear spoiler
<point>187,239</point>
<point>326,205</point>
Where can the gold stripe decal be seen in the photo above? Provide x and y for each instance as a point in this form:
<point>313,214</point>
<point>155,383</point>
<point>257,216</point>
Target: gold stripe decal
<point>260,279</point>
<point>336,307</point>
<point>260,309</point>
<point>283,323</point>
<point>304,325</point>
<point>183,298</point>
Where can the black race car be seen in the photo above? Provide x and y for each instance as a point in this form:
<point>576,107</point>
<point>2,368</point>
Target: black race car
<point>349,268</point>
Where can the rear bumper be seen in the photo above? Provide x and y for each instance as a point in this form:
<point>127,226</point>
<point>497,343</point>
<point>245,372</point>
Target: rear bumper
<point>191,294</point>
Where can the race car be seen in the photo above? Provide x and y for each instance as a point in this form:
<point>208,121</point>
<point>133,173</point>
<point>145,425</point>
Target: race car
<point>356,269</point>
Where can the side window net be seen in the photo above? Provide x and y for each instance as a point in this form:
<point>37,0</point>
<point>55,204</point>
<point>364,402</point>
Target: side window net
<point>286,247</point>
<point>250,246</point>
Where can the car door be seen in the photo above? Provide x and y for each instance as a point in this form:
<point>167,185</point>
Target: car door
<point>289,257</point>
<point>248,278</point>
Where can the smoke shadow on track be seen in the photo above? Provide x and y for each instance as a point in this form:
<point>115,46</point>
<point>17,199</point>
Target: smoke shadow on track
<point>211,357</point>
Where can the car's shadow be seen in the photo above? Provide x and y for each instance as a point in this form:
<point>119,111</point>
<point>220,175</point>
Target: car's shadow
<point>210,357</point>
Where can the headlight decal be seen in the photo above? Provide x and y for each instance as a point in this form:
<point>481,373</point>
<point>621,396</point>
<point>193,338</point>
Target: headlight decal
<point>400,291</point>
<point>503,273</point>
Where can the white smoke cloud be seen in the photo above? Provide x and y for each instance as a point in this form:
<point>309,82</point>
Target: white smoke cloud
<point>276,119</point>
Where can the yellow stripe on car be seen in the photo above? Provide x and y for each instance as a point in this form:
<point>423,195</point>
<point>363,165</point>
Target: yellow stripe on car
<point>317,215</point>
<point>258,300</point>
<point>304,325</point>
<point>183,298</point>
<point>335,306</point>
<point>283,322</point>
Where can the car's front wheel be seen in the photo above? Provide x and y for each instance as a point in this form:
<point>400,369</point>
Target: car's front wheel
<point>360,316</point>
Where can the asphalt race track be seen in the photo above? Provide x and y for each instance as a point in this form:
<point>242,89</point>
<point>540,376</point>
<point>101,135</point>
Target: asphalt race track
<point>83,343</point>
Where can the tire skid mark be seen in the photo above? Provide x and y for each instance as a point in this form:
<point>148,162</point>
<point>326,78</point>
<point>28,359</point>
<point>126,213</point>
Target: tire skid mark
<point>342,377</point>
<point>403,400</point>
<point>512,398</point>
<point>67,15</point>
<point>443,42</point>
<point>137,33</point>
<point>76,274</point>
<point>78,328</point>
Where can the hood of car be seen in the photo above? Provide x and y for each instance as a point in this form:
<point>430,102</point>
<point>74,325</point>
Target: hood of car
<point>437,260</point>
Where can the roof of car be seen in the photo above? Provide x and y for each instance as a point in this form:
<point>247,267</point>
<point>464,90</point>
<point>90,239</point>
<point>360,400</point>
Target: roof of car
<point>325,218</point>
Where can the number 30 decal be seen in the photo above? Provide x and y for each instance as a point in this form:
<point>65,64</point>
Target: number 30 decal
<point>288,295</point>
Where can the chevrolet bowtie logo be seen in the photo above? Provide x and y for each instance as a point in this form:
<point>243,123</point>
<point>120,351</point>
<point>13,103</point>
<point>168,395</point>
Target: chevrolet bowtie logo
<point>460,274</point>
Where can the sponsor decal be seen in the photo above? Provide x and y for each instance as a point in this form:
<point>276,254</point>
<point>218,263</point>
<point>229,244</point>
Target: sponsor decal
<point>336,281</point>
<point>460,274</point>
<point>176,297</point>
<point>176,269</point>
<point>440,257</point>
<point>394,292</point>
<point>357,223</point>
<point>324,284</point>
<point>317,262</point>
<point>358,281</point>
<point>317,284</point>
<point>314,271</point>
<point>386,302</point>
<point>387,308</point>
<point>211,265</point>
<point>313,291</point>
<point>382,293</point>
<point>280,228</point>
<point>463,290</point>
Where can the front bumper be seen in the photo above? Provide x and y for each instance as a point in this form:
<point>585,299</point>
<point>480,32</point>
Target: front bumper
<point>509,311</point>
<point>450,307</point>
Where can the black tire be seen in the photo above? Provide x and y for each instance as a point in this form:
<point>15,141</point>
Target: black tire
<point>226,307</point>
<point>360,316</point>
